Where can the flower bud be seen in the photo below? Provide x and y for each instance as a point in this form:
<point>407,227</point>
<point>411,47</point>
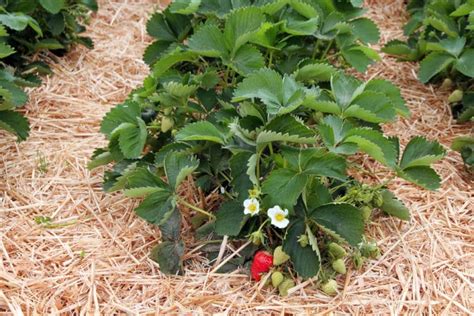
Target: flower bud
<point>336,250</point>
<point>257,238</point>
<point>277,278</point>
<point>339,266</point>
<point>456,96</point>
<point>303,240</point>
<point>330,287</point>
<point>285,286</point>
<point>279,256</point>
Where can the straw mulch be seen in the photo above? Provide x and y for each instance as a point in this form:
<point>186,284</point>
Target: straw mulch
<point>94,259</point>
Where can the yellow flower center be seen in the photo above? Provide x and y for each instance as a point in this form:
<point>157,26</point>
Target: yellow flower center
<point>279,217</point>
<point>252,208</point>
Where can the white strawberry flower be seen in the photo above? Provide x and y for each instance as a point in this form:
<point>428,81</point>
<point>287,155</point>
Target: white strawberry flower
<point>278,216</point>
<point>251,206</point>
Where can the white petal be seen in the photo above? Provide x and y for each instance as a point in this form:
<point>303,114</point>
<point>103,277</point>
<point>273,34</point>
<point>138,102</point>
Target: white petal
<point>286,212</point>
<point>282,224</point>
<point>247,202</point>
<point>247,211</point>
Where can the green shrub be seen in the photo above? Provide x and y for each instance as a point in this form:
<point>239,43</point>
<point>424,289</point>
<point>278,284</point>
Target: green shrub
<point>247,100</point>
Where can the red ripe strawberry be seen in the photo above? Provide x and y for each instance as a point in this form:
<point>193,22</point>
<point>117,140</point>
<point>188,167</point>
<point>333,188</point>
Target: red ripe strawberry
<point>262,262</point>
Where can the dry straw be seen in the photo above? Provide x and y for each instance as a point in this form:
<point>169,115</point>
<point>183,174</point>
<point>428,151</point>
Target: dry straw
<point>95,257</point>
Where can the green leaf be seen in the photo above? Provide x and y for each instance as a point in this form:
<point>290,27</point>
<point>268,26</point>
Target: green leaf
<point>208,41</point>
<point>240,180</point>
<point>342,220</point>
<point>172,58</point>
<point>398,48</point>
<point>126,112</point>
<point>168,255</point>
<point>454,46</point>
<point>48,44</point>
<point>168,27</point>
<point>328,165</point>
<point>359,57</point>
<point>390,91</point>
<point>201,131</point>
<point>433,64</point>
<point>241,25</point>
<point>178,166</point>
<point>53,6</point>
<point>171,229</point>
<point>286,128</point>
<point>366,30</point>
<point>141,182</point>
<point>423,176</point>
<point>100,159</point>
<point>154,51</point>
<point>157,207</point>
<point>344,88</point>
<point>18,21</point>
<point>15,123</point>
<point>465,64</point>
<point>420,152</point>
<point>373,107</point>
<point>394,207</point>
<point>306,261</point>
<point>333,130</point>
<point>374,144</point>
<point>443,24</point>
<point>281,96</point>
<point>230,218</point>
<point>132,139</point>
<point>184,6</point>
<point>315,73</point>
<point>247,59</point>
<point>6,50</point>
<point>283,187</point>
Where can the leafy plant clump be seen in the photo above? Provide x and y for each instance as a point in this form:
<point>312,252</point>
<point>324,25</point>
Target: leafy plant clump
<point>247,100</point>
<point>29,27</point>
<point>441,34</point>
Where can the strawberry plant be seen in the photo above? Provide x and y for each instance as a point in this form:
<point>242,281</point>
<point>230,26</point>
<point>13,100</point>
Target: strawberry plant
<point>248,99</point>
<point>441,35</point>
<point>29,27</point>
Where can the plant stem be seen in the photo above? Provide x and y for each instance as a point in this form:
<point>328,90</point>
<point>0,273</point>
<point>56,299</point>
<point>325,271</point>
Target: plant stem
<point>197,209</point>
<point>326,50</point>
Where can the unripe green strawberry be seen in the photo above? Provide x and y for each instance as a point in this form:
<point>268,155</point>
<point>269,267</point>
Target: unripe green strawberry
<point>358,261</point>
<point>330,287</point>
<point>339,266</point>
<point>447,83</point>
<point>378,199</point>
<point>303,240</point>
<point>456,96</point>
<point>285,286</point>
<point>167,123</point>
<point>366,212</point>
<point>279,256</point>
<point>336,250</point>
<point>366,197</point>
<point>277,278</point>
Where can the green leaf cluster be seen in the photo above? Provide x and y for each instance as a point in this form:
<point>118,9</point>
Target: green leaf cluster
<point>441,36</point>
<point>251,96</point>
<point>27,27</point>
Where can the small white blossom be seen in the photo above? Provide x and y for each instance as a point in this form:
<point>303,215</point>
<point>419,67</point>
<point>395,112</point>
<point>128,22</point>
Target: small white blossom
<point>278,216</point>
<point>251,206</point>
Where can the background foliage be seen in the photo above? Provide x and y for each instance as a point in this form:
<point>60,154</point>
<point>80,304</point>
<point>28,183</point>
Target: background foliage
<point>29,28</point>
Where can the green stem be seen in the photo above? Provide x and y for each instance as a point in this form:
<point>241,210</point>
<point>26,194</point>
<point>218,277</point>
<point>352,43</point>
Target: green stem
<point>263,224</point>
<point>270,60</point>
<point>326,50</point>
<point>197,209</point>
